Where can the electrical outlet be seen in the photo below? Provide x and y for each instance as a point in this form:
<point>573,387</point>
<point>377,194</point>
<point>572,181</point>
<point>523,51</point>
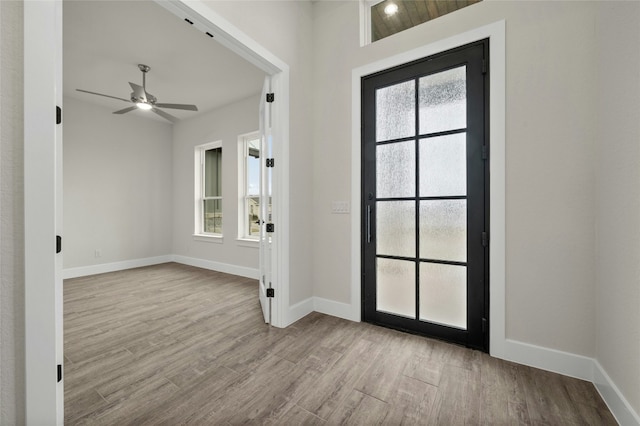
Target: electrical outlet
<point>339,207</point>
<point>98,253</point>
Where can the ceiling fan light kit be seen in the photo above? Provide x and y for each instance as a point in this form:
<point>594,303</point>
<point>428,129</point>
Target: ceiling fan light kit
<point>144,100</point>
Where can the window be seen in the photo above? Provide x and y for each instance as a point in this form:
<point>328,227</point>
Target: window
<point>208,189</point>
<point>388,17</point>
<point>249,186</point>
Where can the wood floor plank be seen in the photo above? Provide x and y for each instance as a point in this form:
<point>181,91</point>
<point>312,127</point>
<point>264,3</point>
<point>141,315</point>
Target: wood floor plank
<point>457,399</point>
<point>338,383</point>
<point>177,345</point>
<point>295,415</point>
<point>412,401</point>
<point>360,409</point>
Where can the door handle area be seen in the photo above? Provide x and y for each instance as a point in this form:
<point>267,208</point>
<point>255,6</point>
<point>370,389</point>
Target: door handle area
<point>368,224</point>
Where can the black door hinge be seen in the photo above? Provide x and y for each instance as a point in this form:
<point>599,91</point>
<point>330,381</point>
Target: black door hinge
<point>58,244</point>
<point>485,239</point>
<point>270,162</point>
<point>59,373</point>
<point>484,325</point>
<point>58,115</point>
<point>485,152</point>
<point>271,227</point>
<point>271,97</point>
<point>271,292</point>
<point>484,66</point>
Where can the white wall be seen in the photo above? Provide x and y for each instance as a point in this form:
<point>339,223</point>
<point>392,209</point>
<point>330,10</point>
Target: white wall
<point>11,215</point>
<point>618,207</point>
<point>117,186</point>
<point>549,154</point>
<point>285,29</point>
<point>224,124</point>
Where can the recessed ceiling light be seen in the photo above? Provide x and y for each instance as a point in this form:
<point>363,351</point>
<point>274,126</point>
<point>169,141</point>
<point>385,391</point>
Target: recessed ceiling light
<point>391,9</point>
<point>144,105</point>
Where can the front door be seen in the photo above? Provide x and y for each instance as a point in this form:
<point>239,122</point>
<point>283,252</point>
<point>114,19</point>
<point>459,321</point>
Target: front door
<point>425,196</point>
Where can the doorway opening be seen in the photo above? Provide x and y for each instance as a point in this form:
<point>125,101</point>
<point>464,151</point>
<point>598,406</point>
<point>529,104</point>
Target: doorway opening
<point>43,180</point>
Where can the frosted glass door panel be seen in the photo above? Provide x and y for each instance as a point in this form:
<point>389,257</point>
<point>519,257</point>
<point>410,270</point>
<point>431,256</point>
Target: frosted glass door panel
<point>443,166</point>
<point>443,294</point>
<point>395,170</point>
<point>395,290</point>
<point>443,230</point>
<point>443,101</point>
<point>395,111</point>
<point>396,225</point>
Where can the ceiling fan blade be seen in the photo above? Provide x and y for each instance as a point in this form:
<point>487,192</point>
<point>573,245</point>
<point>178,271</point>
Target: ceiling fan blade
<point>178,106</point>
<point>122,111</point>
<point>164,115</point>
<point>138,91</point>
<point>106,96</point>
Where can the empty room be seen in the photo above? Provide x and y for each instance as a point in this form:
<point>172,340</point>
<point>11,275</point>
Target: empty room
<point>320,212</point>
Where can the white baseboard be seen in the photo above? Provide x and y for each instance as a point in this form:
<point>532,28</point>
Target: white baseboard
<point>568,364</point>
<point>324,306</point>
<point>227,268</point>
<point>83,271</point>
<point>617,403</point>
<point>333,308</point>
<point>577,366</point>
<point>299,310</point>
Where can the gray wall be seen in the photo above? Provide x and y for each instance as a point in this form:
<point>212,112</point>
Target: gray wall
<point>617,168</point>
<point>11,216</point>
<point>549,201</point>
<point>291,41</point>
<point>223,124</point>
<point>118,195</point>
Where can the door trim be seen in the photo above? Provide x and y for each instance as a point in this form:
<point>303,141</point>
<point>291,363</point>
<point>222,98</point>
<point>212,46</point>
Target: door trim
<point>495,32</point>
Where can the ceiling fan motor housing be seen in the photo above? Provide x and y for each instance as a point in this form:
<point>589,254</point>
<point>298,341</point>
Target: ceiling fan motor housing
<point>150,98</point>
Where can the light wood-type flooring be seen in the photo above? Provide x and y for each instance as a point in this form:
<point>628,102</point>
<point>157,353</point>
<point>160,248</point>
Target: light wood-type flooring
<point>172,344</point>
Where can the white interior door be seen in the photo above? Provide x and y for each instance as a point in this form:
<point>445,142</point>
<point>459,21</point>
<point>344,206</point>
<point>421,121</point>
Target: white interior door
<point>266,219</point>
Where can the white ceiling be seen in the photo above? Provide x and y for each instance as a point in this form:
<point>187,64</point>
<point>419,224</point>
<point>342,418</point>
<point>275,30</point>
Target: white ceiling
<point>104,41</point>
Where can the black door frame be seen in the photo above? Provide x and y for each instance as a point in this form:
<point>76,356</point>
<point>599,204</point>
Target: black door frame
<point>475,57</point>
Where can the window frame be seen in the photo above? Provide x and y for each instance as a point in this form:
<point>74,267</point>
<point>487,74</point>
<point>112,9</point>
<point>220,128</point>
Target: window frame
<point>244,236</point>
<point>199,195</point>
<point>365,21</point>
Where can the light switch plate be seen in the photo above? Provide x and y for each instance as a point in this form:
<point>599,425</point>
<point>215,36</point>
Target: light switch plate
<point>339,207</point>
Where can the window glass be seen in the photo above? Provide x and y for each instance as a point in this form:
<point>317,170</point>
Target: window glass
<point>249,178</point>
<point>252,185</point>
<point>208,183</point>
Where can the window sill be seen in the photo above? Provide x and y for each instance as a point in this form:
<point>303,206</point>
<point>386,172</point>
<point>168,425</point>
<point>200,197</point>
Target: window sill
<point>246,242</point>
<point>218,239</point>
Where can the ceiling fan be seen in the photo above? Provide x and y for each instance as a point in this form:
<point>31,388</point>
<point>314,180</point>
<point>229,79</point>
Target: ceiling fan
<point>145,100</point>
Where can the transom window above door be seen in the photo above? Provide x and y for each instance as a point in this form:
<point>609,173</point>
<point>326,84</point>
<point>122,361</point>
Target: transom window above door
<point>387,17</point>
